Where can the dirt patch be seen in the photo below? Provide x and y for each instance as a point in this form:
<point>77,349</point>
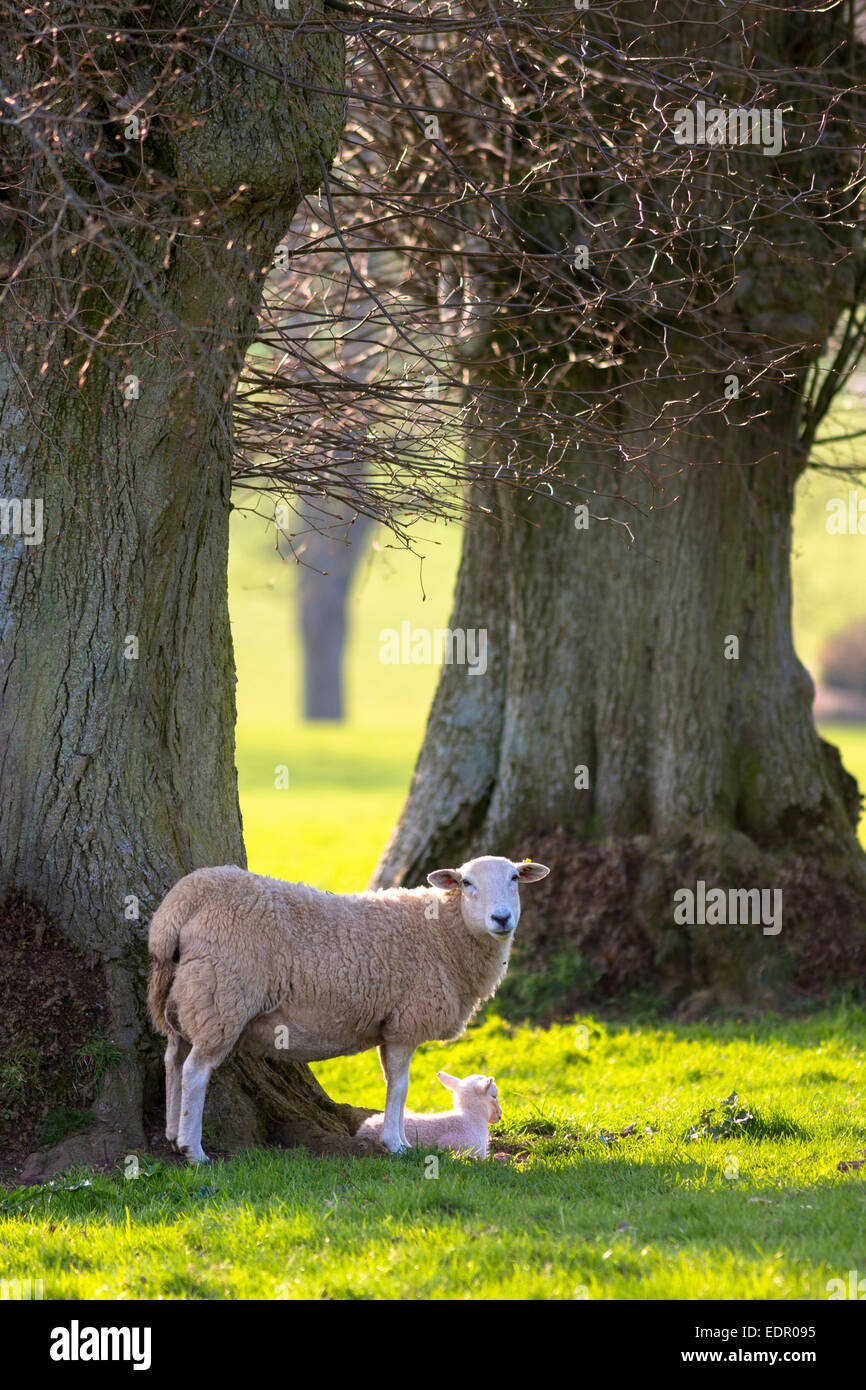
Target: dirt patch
<point>827,928</point>
<point>579,941</point>
<point>51,1049</point>
<point>600,931</point>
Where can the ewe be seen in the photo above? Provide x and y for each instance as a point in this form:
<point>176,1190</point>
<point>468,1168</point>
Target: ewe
<point>285,970</point>
<point>464,1129</point>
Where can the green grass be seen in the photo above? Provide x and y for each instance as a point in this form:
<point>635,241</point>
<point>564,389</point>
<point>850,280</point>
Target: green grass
<point>759,1213</point>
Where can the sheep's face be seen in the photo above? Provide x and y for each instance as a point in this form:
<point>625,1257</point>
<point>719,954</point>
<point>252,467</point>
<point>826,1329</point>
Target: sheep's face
<point>487,1098</point>
<point>477,1094</point>
<point>489,897</point>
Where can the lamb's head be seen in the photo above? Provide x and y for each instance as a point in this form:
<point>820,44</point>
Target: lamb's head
<point>474,1095</point>
<point>489,898</point>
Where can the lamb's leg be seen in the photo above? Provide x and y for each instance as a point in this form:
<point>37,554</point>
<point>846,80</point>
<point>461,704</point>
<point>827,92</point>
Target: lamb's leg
<point>196,1074</point>
<point>395,1059</point>
<point>176,1054</point>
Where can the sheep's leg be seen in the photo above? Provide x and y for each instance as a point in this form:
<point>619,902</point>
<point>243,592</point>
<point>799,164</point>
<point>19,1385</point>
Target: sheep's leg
<point>395,1059</point>
<point>176,1054</point>
<point>196,1074</point>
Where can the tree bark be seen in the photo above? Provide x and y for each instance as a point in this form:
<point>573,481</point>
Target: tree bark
<point>116,665</point>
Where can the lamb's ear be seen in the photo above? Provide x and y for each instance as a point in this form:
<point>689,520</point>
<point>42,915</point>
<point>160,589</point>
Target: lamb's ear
<point>444,878</point>
<point>529,872</point>
<point>488,1082</point>
<point>451,1082</point>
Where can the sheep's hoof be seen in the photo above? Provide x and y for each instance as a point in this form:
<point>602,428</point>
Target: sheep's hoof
<point>200,1157</point>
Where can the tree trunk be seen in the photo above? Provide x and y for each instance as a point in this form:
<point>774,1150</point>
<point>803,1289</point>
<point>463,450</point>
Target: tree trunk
<point>667,671</point>
<point>651,696</point>
<point>116,666</point>
<point>323,593</point>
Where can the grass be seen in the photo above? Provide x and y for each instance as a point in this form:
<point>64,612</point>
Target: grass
<point>19,1076</point>
<point>760,1212</point>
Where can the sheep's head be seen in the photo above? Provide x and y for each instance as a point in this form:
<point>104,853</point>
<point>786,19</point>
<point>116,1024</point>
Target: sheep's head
<point>474,1094</point>
<point>489,897</point>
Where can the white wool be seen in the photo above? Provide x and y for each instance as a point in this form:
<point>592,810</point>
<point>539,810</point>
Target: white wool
<point>463,1129</point>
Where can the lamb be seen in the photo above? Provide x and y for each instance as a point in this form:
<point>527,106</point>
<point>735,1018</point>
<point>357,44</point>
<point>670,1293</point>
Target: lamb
<point>464,1129</point>
<point>287,971</point>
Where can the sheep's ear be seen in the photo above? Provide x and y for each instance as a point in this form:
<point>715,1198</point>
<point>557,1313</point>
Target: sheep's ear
<point>445,878</point>
<point>452,1082</point>
<point>488,1082</point>
<point>530,872</point>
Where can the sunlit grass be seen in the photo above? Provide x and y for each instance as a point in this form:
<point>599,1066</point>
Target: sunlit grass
<point>764,1213</point>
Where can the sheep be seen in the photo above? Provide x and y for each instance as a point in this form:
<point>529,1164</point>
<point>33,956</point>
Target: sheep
<point>464,1128</point>
<point>284,970</point>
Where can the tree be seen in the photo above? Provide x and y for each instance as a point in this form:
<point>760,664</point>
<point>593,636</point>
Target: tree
<point>332,532</point>
<point>651,695</point>
<point>148,175</point>
<point>323,595</point>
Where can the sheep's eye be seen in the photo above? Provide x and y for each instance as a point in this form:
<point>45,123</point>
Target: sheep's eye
<point>515,877</point>
<point>467,883</point>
